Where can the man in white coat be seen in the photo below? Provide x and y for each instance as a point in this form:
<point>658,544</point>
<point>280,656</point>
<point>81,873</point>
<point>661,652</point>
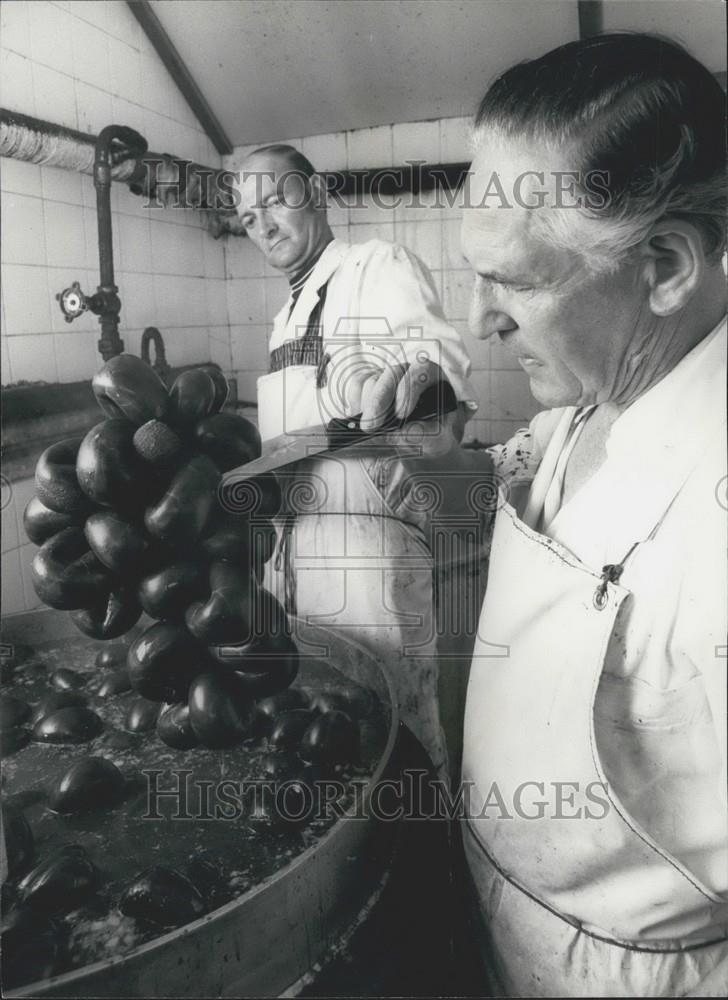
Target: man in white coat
<point>596,836</point>
<point>362,331</point>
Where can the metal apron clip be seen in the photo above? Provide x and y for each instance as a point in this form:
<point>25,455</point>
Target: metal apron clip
<point>610,574</point>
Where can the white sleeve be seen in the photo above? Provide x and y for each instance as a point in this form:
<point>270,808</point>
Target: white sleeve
<point>397,286</point>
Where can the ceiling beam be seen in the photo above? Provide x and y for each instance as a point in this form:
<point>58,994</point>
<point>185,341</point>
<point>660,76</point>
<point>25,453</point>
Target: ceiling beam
<point>152,27</point>
<point>591,18</point>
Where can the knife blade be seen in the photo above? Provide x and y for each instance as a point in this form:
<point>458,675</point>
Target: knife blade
<point>338,433</point>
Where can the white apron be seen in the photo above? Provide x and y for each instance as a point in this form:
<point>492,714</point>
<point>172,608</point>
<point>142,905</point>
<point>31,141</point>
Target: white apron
<point>567,903</point>
<point>346,559</point>
<point>354,537</point>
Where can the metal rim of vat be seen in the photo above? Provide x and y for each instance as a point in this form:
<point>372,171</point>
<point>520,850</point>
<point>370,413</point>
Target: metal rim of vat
<point>317,898</point>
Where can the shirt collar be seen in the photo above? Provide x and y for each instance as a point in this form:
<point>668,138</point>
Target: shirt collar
<point>689,397</point>
<point>324,268</point>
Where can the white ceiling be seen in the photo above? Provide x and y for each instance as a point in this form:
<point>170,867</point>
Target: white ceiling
<point>274,69</point>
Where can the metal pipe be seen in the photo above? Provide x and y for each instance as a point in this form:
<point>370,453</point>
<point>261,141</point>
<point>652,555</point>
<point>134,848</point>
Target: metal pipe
<point>34,140</point>
<point>109,304</point>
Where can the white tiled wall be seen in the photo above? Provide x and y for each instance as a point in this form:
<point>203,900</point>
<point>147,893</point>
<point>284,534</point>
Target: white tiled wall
<point>431,230</point>
<point>85,65</point>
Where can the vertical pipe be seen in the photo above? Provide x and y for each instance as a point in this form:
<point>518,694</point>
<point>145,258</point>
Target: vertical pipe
<point>110,343</point>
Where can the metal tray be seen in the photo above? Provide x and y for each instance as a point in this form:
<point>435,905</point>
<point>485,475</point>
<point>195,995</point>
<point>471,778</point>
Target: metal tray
<point>265,942</point>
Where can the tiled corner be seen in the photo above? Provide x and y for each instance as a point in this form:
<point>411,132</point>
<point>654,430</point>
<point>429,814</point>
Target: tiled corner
<point>217,305</point>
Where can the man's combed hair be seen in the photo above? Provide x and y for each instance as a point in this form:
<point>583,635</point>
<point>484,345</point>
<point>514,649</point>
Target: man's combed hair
<point>296,161</point>
<point>636,108</point>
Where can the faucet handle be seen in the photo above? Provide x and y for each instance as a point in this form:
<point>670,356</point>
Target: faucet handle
<point>73,302</point>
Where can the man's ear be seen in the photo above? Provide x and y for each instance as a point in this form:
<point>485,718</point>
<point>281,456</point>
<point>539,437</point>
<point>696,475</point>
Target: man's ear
<point>319,192</point>
<point>673,265</point>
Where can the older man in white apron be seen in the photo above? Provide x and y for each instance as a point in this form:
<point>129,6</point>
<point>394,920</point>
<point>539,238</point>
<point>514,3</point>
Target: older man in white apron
<point>362,331</point>
<point>594,757</point>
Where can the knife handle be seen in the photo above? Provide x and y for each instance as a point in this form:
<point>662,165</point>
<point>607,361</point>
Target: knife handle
<point>435,401</point>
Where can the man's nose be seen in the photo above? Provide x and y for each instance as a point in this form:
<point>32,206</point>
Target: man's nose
<point>266,225</point>
<point>486,318</point>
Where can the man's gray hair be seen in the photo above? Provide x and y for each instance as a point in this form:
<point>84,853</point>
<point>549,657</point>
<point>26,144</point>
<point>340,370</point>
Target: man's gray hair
<point>637,110</point>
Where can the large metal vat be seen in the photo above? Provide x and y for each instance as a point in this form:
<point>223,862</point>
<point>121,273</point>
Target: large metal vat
<point>266,941</point>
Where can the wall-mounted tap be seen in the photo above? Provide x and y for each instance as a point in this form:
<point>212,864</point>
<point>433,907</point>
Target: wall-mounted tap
<point>114,144</point>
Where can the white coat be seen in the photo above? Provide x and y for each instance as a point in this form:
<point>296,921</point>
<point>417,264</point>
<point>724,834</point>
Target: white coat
<point>613,687</point>
<point>354,551</point>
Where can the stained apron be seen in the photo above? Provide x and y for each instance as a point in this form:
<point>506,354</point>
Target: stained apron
<point>571,896</point>
<point>354,548</point>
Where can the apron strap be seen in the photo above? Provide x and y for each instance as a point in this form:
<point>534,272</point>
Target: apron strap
<point>305,350</point>
<point>612,572</point>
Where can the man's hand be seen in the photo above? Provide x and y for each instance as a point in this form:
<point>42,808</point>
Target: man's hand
<point>395,392</point>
